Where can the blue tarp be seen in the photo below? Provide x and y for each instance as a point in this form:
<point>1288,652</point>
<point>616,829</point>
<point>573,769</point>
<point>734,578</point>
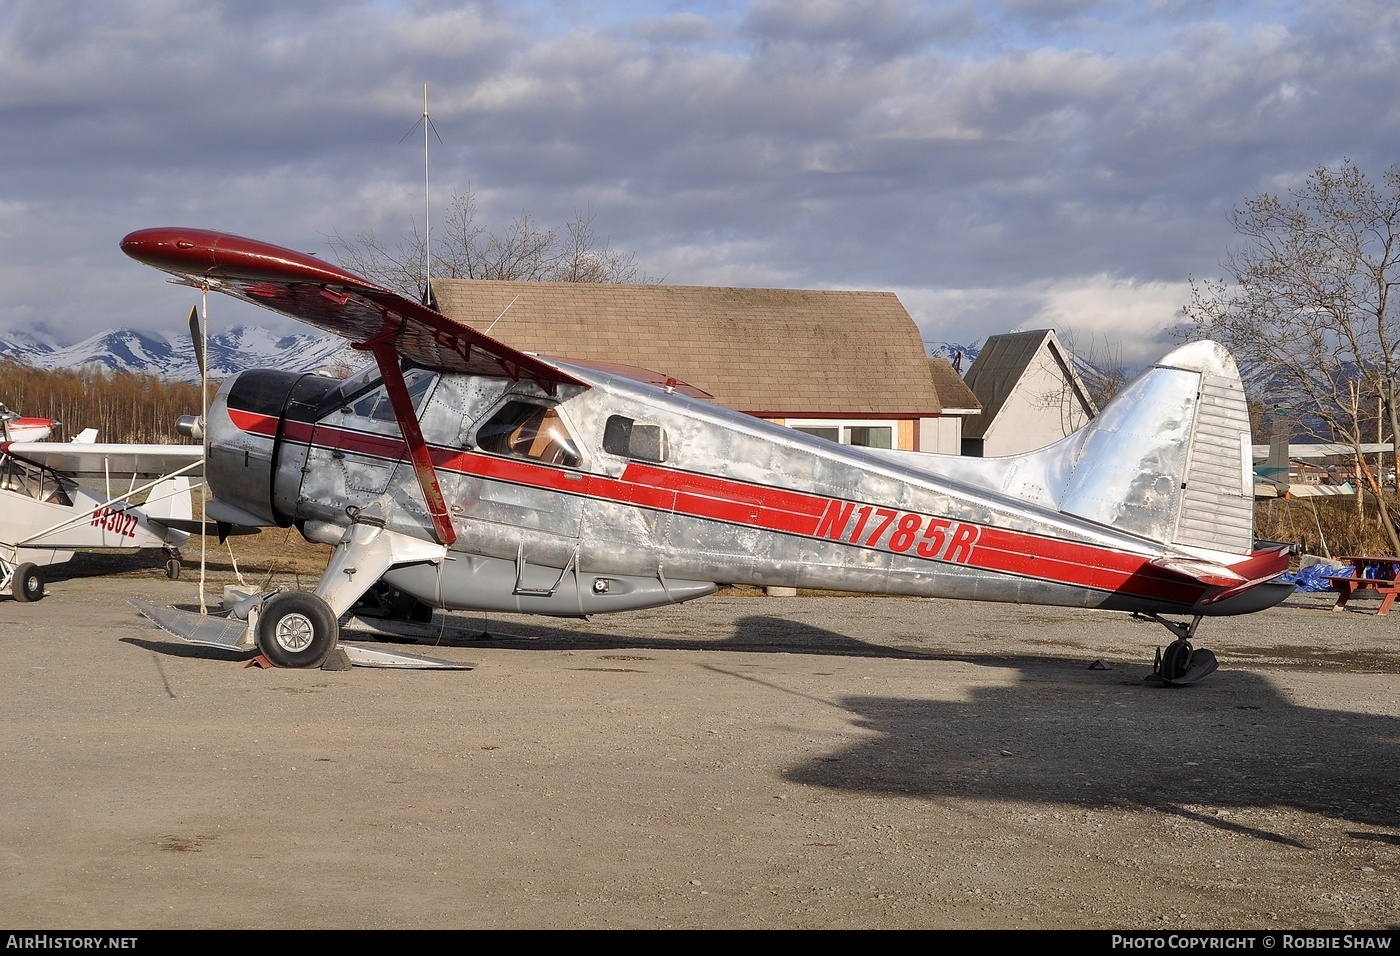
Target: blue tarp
<point>1314,576</point>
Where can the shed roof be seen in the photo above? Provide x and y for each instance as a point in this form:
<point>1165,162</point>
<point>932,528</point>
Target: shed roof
<point>1000,366</point>
<point>953,393</point>
<point>770,352</point>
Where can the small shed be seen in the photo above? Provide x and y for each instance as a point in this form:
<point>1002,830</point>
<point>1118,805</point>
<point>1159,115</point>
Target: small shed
<point>849,366</point>
<point>1030,394</point>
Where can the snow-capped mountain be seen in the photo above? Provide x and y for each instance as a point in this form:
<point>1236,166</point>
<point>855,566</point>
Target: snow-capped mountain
<point>152,353</point>
<point>951,351</point>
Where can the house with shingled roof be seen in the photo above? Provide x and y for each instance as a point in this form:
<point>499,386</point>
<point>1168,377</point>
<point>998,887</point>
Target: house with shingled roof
<point>849,366</point>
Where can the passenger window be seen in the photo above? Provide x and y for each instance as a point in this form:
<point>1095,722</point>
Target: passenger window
<point>527,430</point>
<point>631,439</point>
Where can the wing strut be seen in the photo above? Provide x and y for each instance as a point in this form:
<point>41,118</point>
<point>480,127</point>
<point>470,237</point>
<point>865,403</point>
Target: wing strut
<point>389,370</point>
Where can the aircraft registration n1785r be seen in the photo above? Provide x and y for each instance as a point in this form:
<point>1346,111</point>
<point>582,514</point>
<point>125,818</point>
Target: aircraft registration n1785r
<point>459,473</point>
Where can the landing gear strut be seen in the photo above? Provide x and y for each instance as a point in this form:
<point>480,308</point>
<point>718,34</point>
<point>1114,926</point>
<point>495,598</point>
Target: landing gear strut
<point>1181,663</point>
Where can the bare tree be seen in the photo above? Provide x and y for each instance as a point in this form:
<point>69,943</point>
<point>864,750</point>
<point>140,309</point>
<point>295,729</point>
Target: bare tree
<point>463,248</point>
<point>1101,373</point>
<point>1306,307</point>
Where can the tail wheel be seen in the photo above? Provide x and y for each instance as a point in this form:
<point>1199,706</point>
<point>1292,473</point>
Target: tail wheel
<point>1175,659</point>
<point>28,583</point>
<point>297,629</point>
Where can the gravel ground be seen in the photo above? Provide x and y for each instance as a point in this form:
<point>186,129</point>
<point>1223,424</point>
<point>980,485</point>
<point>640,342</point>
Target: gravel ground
<point>740,761</point>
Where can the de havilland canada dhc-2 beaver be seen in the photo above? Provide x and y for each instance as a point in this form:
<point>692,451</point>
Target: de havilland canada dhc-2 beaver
<point>456,472</point>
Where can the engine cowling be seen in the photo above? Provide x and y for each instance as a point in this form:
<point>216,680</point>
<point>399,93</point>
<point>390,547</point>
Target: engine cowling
<point>259,427</point>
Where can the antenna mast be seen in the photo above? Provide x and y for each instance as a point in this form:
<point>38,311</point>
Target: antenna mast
<point>427,220</point>
<point>426,122</point>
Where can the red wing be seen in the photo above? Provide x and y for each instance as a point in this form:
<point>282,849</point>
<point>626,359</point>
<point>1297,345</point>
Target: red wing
<point>328,297</point>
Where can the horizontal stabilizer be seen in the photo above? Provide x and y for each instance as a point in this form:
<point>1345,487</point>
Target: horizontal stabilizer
<point>194,526</point>
<point>1207,572</point>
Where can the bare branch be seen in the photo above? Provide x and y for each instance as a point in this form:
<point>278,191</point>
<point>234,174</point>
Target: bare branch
<point>1306,308</point>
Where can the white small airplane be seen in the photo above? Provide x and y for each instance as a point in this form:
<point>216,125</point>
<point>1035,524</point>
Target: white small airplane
<point>49,513</point>
<point>460,473</point>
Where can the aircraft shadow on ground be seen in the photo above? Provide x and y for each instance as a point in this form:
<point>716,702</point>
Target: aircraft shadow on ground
<point>1056,732</point>
<point>1230,742</point>
<point>1059,732</point>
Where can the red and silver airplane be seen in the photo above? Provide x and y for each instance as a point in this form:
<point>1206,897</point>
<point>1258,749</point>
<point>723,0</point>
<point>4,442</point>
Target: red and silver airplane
<point>15,427</point>
<point>459,473</point>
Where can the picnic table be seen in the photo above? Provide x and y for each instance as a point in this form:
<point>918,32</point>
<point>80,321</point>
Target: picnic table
<point>1379,573</point>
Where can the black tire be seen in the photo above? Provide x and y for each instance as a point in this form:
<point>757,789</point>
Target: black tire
<point>1176,659</point>
<point>172,569</point>
<point>28,584</point>
<point>297,629</point>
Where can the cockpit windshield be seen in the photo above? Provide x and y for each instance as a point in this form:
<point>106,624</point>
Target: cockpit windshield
<point>364,394</point>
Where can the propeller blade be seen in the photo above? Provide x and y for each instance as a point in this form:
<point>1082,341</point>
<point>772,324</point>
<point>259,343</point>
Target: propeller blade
<point>197,335</point>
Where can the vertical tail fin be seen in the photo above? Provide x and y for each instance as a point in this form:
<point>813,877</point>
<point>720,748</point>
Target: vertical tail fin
<point>1168,459</point>
<point>1271,478</point>
<point>170,498</point>
<point>1171,458</point>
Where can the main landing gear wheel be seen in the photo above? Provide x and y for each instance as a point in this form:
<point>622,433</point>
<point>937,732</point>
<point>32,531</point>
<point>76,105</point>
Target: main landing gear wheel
<point>172,569</point>
<point>297,629</point>
<point>28,583</point>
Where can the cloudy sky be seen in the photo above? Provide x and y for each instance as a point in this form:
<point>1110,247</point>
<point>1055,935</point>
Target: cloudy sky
<point>999,165</point>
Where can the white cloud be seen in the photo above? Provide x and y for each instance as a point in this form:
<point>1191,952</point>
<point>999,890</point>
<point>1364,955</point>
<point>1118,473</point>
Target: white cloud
<point>1098,313</point>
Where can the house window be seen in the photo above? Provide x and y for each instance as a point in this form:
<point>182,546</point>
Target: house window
<point>870,436</point>
<point>866,435</point>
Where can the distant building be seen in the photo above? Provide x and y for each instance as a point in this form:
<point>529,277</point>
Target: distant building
<point>849,366</point>
<point>1030,394</point>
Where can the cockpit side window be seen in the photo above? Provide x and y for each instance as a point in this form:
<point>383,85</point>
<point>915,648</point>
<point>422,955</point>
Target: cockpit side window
<point>529,430</point>
<point>41,484</point>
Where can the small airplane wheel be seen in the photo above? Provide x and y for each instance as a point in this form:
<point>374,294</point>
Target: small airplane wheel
<point>172,569</point>
<point>1175,659</point>
<point>297,629</point>
<point>29,583</point>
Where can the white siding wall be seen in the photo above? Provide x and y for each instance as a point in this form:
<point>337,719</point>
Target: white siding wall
<point>1042,410</point>
<point>941,436</point>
